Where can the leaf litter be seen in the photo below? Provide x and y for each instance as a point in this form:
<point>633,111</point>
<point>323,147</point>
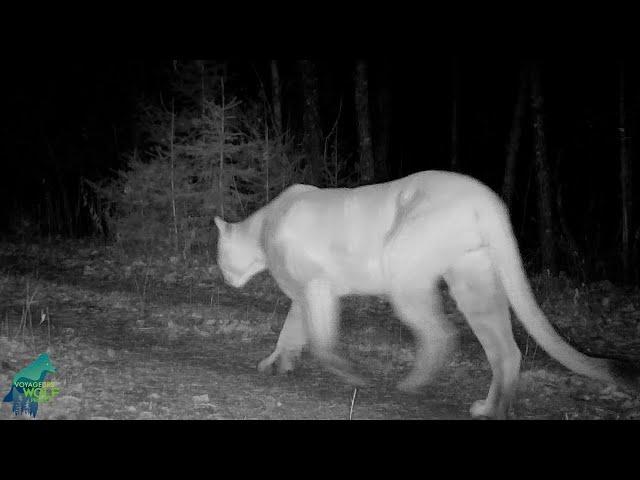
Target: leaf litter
<point>149,339</point>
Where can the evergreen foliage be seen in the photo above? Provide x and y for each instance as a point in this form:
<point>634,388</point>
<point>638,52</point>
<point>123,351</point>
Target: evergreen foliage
<point>202,153</point>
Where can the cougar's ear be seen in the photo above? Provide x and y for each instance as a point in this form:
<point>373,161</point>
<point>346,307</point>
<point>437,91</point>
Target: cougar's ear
<point>221,224</point>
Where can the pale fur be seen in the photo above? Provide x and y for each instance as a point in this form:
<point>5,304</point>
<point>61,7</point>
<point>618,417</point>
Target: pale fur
<point>398,239</point>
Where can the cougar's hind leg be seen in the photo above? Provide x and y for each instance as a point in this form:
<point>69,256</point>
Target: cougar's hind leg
<point>291,341</point>
<point>480,297</point>
<point>322,328</point>
<point>434,335</point>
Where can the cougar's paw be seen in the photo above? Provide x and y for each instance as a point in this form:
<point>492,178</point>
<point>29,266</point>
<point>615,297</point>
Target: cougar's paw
<point>408,386</point>
<point>482,410</point>
<point>340,367</point>
<point>277,362</point>
<point>267,365</point>
<point>348,377</point>
<point>416,379</point>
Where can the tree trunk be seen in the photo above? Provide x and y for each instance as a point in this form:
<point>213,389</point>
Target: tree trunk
<point>66,207</point>
<point>312,135</point>
<point>455,77</point>
<point>382,140</point>
<point>276,97</point>
<point>366,166</point>
<point>635,256</point>
<point>546,227</point>
<point>573,250</point>
<point>625,184</point>
<point>508,186</point>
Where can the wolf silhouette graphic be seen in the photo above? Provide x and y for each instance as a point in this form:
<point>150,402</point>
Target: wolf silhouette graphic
<point>35,372</point>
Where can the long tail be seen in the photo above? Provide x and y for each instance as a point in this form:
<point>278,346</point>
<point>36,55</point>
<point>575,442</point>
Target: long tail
<point>508,263</point>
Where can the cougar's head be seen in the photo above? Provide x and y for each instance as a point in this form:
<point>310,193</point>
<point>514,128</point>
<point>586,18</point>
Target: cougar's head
<point>240,256</point>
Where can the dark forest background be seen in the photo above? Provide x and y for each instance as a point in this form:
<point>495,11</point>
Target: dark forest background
<point>151,150</point>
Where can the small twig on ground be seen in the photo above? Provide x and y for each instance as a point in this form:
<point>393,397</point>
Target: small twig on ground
<point>353,401</point>
<point>44,315</point>
<point>275,307</point>
<point>26,313</point>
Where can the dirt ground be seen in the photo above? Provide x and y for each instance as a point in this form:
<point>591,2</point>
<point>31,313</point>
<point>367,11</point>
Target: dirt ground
<point>134,339</point>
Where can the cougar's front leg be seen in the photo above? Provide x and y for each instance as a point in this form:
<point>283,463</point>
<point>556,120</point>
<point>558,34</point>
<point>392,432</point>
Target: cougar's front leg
<point>292,340</point>
<point>322,324</point>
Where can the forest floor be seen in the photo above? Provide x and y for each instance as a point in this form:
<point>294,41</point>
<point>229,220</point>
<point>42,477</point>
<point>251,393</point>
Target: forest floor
<point>167,339</point>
